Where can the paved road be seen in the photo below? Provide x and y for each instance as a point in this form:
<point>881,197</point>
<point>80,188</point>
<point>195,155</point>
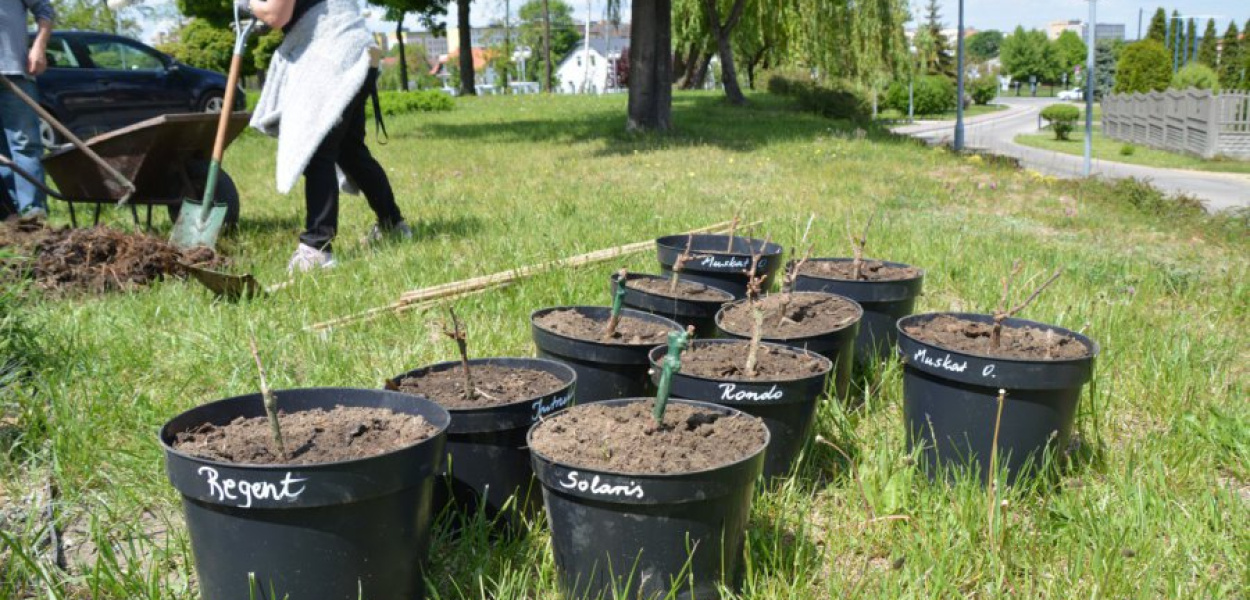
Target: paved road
<point>995,133</point>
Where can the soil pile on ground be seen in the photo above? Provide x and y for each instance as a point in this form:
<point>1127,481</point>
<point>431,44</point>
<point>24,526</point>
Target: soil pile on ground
<point>625,439</point>
<point>494,385</point>
<point>686,290</point>
<point>94,260</point>
<point>630,330</point>
<point>870,270</point>
<point>1030,343</point>
<point>728,362</point>
<point>311,437</point>
<point>806,314</point>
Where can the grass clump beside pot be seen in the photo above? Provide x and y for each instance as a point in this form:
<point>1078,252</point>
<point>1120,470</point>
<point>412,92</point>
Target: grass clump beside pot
<point>1062,119</point>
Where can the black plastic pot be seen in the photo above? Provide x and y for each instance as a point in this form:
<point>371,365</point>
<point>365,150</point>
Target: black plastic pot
<point>787,407</point>
<point>837,345</point>
<point>884,303</point>
<point>714,266</point>
<point>682,533</point>
<point>699,313</point>
<point>340,531</point>
<point>604,371</point>
<point>488,461</point>
<point>950,401</point>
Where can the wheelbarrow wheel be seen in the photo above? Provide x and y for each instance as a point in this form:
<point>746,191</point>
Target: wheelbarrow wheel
<point>226,193</point>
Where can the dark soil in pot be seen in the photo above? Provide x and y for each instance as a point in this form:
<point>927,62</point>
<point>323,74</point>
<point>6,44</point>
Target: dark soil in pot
<point>887,291</point>
<point>614,367</point>
<point>783,392</point>
<point>826,324</point>
<point>951,381</point>
<point>639,510</point>
<point>691,303</point>
<point>309,528</point>
<point>718,262</point>
<point>488,462</point>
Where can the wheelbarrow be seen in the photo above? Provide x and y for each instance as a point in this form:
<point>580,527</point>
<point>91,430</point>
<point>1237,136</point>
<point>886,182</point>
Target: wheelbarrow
<point>166,158</point>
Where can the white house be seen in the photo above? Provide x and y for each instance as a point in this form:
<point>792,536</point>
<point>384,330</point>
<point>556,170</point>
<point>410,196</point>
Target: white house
<point>574,75</point>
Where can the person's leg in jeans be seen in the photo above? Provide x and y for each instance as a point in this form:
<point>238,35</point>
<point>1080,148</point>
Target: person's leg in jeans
<point>359,164</point>
<point>21,143</point>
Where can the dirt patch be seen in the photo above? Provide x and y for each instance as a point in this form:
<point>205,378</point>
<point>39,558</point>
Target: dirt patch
<point>728,362</point>
<point>806,314</point>
<point>95,260</point>
<point>630,331</point>
<point>1030,343</point>
<point>311,437</point>
<point>495,385</point>
<point>625,439</point>
<point>686,290</point>
<point>870,270</point>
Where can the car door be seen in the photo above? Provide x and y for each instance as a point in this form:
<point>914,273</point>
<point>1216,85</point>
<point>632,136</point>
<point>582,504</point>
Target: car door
<point>132,79</point>
<point>67,89</point>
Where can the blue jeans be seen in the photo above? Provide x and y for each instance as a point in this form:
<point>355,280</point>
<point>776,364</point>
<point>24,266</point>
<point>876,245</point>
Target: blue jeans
<point>21,143</point>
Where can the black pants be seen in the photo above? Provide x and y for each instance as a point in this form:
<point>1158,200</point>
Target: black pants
<point>345,146</point>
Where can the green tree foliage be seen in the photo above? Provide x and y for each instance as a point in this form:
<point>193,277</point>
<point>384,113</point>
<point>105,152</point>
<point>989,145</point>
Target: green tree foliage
<point>936,51</point>
<point>1028,54</point>
<point>262,48</point>
<point>933,94</point>
<point>216,12</point>
<point>90,15</point>
<point>201,44</point>
<point>762,39</point>
<point>1062,119</point>
<point>1191,32</point>
<point>1106,53</point>
<point>430,13</point>
<point>563,34</point>
<point>1070,51</point>
<point>1196,75</point>
<point>1175,28</point>
<point>1231,52</point>
<point>1144,66</point>
<point>1158,30</point>
<point>1206,49</point>
<point>984,88</point>
<point>984,45</point>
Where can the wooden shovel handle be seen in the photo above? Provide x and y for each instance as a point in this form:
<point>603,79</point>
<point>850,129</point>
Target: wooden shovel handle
<point>227,107</point>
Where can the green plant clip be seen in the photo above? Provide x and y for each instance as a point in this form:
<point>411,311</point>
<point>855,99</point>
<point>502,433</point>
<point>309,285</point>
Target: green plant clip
<point>677,341</point>
<point>618,297</point>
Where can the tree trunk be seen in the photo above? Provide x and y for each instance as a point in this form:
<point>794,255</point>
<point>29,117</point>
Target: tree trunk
<point>753,63</point>
<point>729,77</point>
<point>403,60</point>
<point>651,66</point>
<point>547,46</point>
<point>689,68</point>
<point>467,86</point>
<point>700,74</point>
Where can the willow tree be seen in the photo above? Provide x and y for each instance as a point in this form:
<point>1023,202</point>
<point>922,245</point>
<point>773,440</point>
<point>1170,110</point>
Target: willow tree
<point>764,36</point>
<point>860,41</point>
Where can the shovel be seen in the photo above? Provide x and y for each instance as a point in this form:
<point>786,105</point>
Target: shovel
<point>200,224</point>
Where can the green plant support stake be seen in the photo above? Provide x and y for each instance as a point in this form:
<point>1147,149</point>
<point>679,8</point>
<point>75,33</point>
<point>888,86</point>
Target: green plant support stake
<point>618,300</point>
<point>677,341</point>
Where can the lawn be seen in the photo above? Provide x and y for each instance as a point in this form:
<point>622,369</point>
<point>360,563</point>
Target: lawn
<point>1147,505</point>
<point>1108,149</point>
<point>971,111</point>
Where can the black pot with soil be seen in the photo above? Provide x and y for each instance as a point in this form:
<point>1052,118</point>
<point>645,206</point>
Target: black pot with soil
<point>951,383</point>
<point>887,292</point>
<point>345,514</point>
<point>640,511</point>
<point>689,303</point>
<point>607,367</point>
<point>783,392</point>
<point>719,262</point>
<point>488,464</point>
<point>826,324</point>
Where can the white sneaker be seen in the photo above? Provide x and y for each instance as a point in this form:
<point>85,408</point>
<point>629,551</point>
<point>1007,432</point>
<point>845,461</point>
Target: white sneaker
<point>400,232</point>
<point>35,214</point>
<point>307,258</point>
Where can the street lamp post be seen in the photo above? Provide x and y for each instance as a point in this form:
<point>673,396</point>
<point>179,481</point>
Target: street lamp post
<point>959,94</point>
<point>911,86</point>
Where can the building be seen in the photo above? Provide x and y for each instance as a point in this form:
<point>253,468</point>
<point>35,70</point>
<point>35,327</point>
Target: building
<point>1106,31</point>
<point>1056,28</point>
<point>574,75</point>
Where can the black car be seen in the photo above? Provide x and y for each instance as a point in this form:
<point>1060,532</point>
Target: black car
<point>98,82</point>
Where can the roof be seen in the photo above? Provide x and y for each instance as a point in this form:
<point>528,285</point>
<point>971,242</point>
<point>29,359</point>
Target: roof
<point>480,57</point>
<point>599,46</point>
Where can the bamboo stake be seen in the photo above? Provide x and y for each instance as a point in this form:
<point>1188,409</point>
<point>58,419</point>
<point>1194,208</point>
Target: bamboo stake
<point>397,308</point>
<point>459,288</point>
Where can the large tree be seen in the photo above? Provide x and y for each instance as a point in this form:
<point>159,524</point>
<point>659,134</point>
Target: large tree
<point>1028,54</point>
<point>984,45</point>
<point>1158,30</point>
<point>1191,34</point>
<point>1230,58</point>
<point>722,30</point>
<point>1106,53</point>
<point>91,15</point>
<point>936,54</point>
<point>1207,48</point>
<point>1144,66</point>
<point>536,22</point>
<point>1070,51</point>
<point>429,12</point>
<point>651,66</point>
<point>467,85</point>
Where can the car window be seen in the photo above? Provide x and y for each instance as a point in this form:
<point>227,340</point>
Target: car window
<point>60,56</point>
<point>110,54</point>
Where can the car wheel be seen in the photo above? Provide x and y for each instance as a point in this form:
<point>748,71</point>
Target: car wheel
<point>226,193</point>
<point>212,102</point>
<point>48,136</point>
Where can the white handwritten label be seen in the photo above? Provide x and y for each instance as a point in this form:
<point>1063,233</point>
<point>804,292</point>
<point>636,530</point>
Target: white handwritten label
<point>730,392</point>
<point>235,489</point>
<point>922,357</point>
<point>542,409</point>
<point>988,371</point>
<point>731,262</point>
<point>572,481</point>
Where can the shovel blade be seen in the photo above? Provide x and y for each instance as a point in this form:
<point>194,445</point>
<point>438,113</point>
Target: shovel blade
<point>198,224</point>
<point>224,285</point>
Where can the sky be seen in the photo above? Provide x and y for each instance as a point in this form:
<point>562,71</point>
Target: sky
<point>1003,15</point>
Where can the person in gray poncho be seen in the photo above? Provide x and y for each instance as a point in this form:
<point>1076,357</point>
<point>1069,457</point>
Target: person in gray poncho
<point>316,86</point>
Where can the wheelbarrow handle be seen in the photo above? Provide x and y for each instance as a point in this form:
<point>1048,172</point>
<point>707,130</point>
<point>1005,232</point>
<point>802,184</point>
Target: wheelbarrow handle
<point>69,135</point>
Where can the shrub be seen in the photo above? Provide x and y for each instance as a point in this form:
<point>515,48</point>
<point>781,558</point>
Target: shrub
<point>401,103</point>
<point>1062,119</point>
<point>984,88</point>
<point>1144,66</point>
<point>933,94</point>
<point>1196,75</point>
<point>1128,150</point>
<point>836,99</point>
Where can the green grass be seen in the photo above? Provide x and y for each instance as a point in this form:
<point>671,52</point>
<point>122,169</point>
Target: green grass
<point>1109,149</point>
<point>971,111</point>
<point>1148,508</point>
